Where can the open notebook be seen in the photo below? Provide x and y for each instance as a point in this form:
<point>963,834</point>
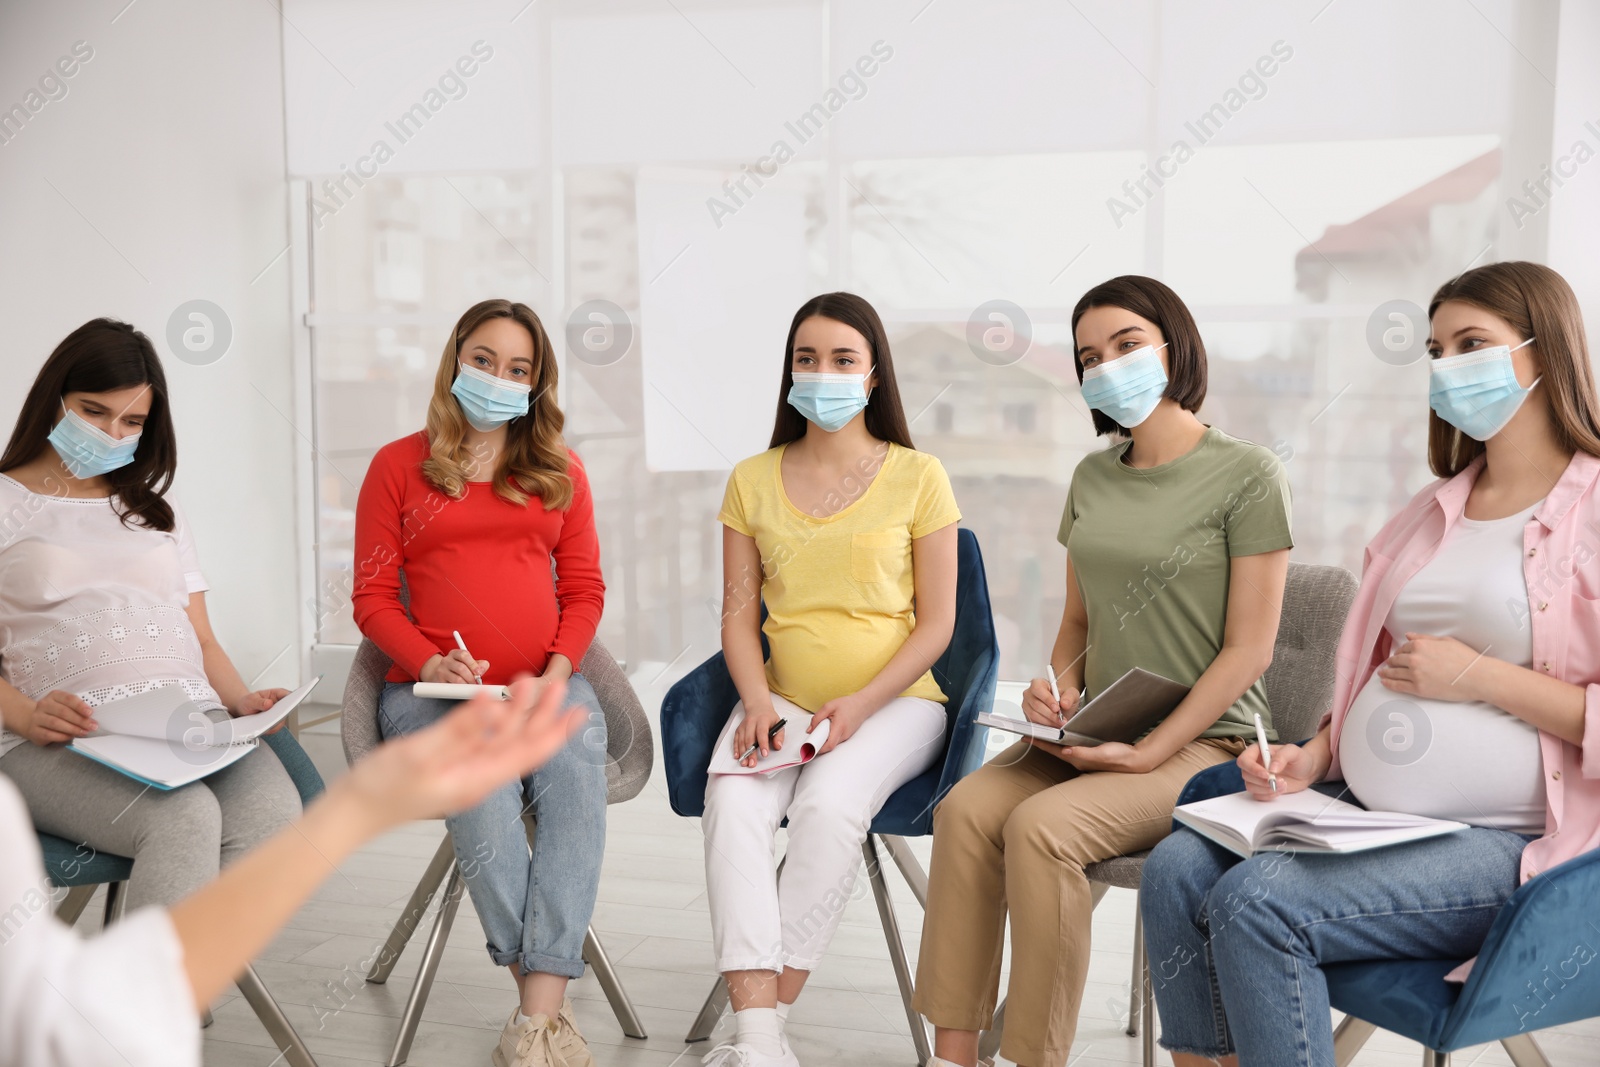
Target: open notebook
<point>1122,711</point>
<point>798,747</point>
<point>161,738</point>
<point>1306,821</point>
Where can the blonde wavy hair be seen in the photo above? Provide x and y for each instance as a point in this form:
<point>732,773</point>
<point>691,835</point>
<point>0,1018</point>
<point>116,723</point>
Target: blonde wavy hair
<point>535,459</point>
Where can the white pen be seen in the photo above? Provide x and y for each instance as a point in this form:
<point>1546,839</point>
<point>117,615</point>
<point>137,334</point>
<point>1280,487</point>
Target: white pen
<point>462,645</point>
<point>1055,691</point>
<point>1266,752</point>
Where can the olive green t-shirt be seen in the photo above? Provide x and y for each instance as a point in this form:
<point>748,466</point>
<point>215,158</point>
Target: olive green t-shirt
<point>1151,551</point>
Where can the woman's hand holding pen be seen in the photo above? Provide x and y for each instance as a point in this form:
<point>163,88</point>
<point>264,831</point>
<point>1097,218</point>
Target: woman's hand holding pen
<point>1041,706</point>
<point>458,666</point>
<point>1294,767</point>
<point>756,730</point>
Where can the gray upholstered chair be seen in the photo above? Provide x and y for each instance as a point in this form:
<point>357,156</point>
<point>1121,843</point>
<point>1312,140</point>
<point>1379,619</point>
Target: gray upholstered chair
<point>1299,689</point>
<point>630,752</point>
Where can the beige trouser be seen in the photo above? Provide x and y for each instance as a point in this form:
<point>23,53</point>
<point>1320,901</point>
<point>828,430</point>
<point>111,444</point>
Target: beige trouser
<point>1018,832</point>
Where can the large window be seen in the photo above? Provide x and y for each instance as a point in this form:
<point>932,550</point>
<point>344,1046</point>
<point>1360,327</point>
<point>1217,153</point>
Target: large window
<point>1303,231</point>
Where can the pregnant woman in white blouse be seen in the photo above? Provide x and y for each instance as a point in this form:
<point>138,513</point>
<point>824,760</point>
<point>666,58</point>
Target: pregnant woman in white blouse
<point>101,597</point>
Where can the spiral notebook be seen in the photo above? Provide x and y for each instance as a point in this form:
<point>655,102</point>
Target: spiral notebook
<point>161,738</point>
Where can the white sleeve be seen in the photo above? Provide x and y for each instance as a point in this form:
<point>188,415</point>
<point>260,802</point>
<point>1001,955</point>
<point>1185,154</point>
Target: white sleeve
<point>192,577</point>
<point>122,997</point>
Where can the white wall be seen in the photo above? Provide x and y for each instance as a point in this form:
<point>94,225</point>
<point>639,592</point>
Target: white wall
<point>166,157</point>
<point>1574,207</point>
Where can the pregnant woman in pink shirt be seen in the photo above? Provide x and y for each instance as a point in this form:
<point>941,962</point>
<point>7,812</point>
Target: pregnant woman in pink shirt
<point>1468,689</point>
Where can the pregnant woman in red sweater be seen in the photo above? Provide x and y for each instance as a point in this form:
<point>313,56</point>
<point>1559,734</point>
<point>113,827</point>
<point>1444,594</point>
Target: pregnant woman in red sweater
<point>489,516</point>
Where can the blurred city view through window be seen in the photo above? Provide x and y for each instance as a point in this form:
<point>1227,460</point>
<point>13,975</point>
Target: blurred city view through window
<point>1287,250</point>
<point>394,274</point>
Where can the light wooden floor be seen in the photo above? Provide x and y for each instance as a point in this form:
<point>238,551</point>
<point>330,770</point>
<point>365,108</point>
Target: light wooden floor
<point>652,919</point>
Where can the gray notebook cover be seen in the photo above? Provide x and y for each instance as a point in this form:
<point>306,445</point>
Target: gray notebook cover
<point>1125,709</point>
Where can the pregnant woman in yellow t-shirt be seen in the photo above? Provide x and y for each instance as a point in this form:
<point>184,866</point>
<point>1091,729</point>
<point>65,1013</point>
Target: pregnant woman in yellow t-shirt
<point>849,536</point>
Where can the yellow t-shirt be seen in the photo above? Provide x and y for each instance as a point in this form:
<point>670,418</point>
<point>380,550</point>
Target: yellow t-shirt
<point>839,588</point>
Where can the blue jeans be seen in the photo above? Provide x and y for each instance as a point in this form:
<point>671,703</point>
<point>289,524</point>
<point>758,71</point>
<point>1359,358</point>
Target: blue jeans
<point>1253,934</point>
<point>533,913</point>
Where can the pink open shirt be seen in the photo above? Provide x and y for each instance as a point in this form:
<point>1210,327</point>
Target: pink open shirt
<point>1561,562</point>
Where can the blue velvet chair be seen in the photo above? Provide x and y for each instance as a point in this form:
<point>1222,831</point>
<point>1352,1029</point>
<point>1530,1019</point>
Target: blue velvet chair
<point>79,869</point>
<point>1537,968</point>
<point>697,707</point>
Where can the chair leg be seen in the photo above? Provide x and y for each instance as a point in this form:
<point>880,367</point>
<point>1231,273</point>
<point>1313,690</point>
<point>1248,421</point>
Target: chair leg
<point>116,901</point>
<point>1524,1051</point>
<point>72,905</point>
<point>710,1012</point>
<point>897,950</point>
<point>431,956</point>
<point>1135,992</point>
<point>910,869</point>
<point>415,908</point>
<point>278,1027</point>
<point>989,1040</point>
<point>595,953</point>
<point>1348,1038</point>
<point>1147,998</point>
<point>1430,1058</point>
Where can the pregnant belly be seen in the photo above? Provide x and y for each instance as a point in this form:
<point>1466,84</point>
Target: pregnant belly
<point>1467,760</point>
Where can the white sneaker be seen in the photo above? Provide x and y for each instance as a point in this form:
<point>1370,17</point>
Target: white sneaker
<point>740,1055</point>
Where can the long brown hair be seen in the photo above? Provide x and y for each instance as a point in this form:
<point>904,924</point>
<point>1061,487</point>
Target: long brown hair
<point>1156,302</point>
<point>1539,304</point>
<point>102,356</point>
<point>886,419</point>
<point>535,460</point>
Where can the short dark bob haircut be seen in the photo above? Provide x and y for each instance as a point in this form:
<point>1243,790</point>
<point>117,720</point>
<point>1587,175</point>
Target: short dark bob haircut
<point>1186,352</point>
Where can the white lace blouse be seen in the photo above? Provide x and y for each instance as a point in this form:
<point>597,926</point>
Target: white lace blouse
<point>91,606</point>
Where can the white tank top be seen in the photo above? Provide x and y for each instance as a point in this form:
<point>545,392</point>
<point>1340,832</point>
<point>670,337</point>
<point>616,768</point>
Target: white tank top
<point>1463,760</point>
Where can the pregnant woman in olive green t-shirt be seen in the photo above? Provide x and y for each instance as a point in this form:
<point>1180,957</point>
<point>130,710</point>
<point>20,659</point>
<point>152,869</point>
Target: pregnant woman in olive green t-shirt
<point>1178,544</point>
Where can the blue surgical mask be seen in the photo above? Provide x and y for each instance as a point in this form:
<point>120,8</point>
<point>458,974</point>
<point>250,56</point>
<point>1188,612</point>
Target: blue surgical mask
<point>829,400</point>
<point>489,402</point>
<point>1478,392</point>
<point>87,450</point>
<point>1126,389</point>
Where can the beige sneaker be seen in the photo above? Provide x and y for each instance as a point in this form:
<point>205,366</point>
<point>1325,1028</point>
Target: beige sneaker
<point>527,1045</point>
<point>568,1040</point>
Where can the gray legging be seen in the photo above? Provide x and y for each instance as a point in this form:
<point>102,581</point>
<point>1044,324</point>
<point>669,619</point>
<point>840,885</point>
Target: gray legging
<point>177,840</point>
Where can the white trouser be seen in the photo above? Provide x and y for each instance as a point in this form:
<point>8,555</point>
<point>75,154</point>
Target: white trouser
<point>760,921</point>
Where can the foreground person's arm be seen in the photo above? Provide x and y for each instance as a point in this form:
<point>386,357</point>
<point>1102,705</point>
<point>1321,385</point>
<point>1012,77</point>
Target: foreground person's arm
<point>450,766</point>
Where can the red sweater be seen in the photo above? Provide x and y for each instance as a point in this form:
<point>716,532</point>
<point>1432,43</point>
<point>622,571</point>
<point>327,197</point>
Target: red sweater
<point>480,565</point>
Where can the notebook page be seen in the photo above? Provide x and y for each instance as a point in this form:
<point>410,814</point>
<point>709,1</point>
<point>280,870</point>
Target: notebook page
<point>162,765</point>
